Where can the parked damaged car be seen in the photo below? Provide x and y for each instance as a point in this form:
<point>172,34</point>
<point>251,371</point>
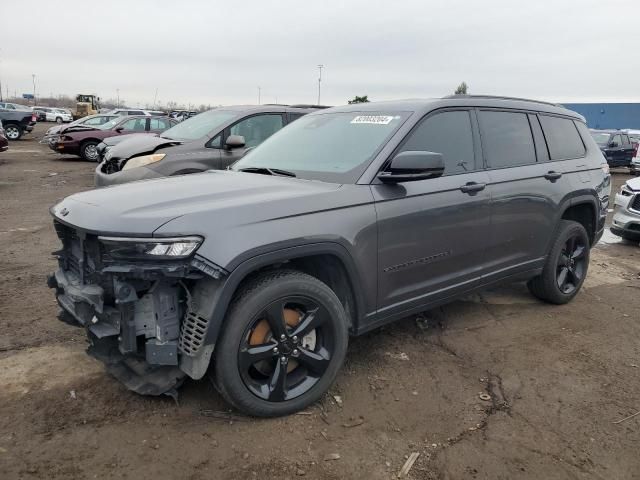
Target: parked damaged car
<point>82,139</point>
<point>52,134</point>
<point>346,220</point>
<point>616,146</point>
<point>4,143</point>
<point>211,140</point>
<point>626,218</point>
<point>17,122</point>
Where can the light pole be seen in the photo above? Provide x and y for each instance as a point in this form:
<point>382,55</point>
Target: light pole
<point>259,95</point>
<point>118,98</point>
<point>33,77</point>
<point>320,67</point>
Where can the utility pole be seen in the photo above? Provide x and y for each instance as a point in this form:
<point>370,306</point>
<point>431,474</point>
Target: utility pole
<point>320,67</point>
<point>33,77</point>
<point>259,95</point>
<point>155,97</point>
<point>118,96</point>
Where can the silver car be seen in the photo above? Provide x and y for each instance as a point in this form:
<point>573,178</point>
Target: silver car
<point>626,219</point>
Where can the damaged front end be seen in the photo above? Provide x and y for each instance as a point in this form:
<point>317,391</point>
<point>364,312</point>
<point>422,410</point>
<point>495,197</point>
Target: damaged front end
<point>144,302</point>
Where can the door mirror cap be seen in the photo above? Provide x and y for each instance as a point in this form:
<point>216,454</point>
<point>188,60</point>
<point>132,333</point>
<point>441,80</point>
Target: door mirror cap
<point>234,141</point>
<point>413,165</point>
<point>119,129</point>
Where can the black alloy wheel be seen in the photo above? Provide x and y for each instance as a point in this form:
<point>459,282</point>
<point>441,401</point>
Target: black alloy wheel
<point>284,340</point>
<point>571,264</point>
<point>286,349</point>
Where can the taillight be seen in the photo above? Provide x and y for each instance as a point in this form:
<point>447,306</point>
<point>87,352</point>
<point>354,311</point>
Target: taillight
<point>34,117</point>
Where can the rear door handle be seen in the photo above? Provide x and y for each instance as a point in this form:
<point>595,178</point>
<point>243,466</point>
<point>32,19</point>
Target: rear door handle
<point>472,187</point>
<point>552,176</point>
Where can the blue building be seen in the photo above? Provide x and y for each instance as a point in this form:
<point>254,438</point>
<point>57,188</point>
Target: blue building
<point>609,115</point>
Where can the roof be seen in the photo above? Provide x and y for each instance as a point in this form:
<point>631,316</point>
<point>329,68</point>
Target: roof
<point>271,108</point>
<point>426,105</point>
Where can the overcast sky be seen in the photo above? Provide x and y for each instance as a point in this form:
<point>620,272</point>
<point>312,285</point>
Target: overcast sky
<point>220,52</point>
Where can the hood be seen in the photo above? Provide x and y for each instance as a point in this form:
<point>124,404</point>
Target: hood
<point>633,184</point>
<point>213,200</point>
<point>138,144</point>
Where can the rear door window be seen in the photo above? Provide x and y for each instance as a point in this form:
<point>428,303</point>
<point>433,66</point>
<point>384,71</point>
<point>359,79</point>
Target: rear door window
<point>135,125</point>
<point>562,137</point>
<point>506,138</point>
<point>448,133</point>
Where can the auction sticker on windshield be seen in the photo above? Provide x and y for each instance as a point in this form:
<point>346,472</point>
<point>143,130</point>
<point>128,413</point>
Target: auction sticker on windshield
<point>373,119</point>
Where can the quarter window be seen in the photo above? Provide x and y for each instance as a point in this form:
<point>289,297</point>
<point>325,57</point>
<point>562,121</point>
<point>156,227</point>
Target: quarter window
<point>257,129</point>
<point>448,133</point>
<point>506,139</point>
<point>159,124</point>
<point>562,137</point>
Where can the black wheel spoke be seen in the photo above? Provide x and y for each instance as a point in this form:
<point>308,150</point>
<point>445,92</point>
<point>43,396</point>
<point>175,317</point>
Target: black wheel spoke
<point>575,276</point>
<point>310,321</point>
<point>317,362</point>
<point>278,382</point>
<point>562,277</point>
<point>570,245</point>
<point>256,353</point>
<point>275,317</point>
<point>564,258</point>
<point>578,253</point>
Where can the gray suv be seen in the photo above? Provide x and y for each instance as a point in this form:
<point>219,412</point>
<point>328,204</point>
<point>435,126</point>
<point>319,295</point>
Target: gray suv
<point>346,220</point>
<point>210,140</point>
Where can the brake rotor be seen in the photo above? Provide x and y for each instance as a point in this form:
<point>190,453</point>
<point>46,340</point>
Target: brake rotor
<point>261,334</point>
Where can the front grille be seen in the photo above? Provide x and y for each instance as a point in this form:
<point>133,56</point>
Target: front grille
<point>635,203</point>
<point>77,256</point>
<point>194,328</point>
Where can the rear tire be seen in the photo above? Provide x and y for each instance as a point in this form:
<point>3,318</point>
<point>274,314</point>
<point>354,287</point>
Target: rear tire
<point>13,131</point>
<point>566,266</point>
<point>89,152</point>
<point>268,364</point>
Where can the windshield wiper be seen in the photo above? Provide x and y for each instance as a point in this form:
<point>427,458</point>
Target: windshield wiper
<point>268,171</point>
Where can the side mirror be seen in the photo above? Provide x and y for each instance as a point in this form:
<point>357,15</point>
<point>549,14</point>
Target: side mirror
<point>614,145</point>
<point>234,141</point>
<point>413,165</point>
<point>119,129</point>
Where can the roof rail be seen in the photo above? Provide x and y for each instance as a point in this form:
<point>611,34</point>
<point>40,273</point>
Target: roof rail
<point>498,97</point>
<point>304,105</point>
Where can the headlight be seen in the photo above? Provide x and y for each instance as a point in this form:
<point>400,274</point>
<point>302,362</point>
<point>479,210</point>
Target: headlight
<point>136,162</point>
<point>150,248</point>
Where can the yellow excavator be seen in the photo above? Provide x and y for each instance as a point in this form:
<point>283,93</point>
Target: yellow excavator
<point>86,105</point>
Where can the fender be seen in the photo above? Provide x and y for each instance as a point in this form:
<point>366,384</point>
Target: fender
<point>224,294</point>
<point>572,201</point>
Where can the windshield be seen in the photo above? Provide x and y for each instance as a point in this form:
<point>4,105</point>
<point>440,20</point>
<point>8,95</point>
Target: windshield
<point>332,147</point>
<point>199,126</point>
<point>600,138</point>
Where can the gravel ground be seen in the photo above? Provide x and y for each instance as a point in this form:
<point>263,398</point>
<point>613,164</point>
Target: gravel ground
<point>495,386</point>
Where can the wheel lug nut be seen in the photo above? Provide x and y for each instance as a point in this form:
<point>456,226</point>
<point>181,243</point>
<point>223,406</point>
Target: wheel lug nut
<point>275,350</point>
<point>295,339</point>
<point>283,359</point>
<point>283,336</point>
<point>295,352</point>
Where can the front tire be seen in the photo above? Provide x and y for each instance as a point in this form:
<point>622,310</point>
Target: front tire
<point>13,132</point>
<point>89,151</point>
<point>284,341</point>
<point>566,266</point>
<point>58,120</point>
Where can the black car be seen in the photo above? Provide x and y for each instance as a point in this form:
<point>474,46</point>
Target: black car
<point>344,221</point>
<point>210,140</point>
<point>17,122</point>
<point>616,146</point>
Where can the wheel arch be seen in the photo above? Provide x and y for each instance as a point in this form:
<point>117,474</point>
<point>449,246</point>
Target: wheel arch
<point>330,262</point>
<point>583,210</point>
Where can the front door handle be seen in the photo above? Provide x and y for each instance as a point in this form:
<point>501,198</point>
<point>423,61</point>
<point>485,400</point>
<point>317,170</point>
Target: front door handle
<point>552,176</point>
<point>472,187</point>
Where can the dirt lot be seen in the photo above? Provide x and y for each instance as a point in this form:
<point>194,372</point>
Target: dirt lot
<point>558,379</point>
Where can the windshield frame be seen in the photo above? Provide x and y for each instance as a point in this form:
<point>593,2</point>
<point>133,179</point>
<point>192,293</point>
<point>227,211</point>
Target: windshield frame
<point>351,177</point>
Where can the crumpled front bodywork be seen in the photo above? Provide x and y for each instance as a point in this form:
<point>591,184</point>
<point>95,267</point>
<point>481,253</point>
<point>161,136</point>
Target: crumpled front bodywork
<point>146,321</point>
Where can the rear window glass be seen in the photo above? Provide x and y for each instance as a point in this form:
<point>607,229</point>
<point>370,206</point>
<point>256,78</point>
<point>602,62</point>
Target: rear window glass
<point>506,139</point>
<point>562,137</point>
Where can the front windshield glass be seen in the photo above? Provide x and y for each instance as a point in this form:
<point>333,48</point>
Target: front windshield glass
<point>199,126</point>
<point>332,147</point>
<point>600,138</point>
